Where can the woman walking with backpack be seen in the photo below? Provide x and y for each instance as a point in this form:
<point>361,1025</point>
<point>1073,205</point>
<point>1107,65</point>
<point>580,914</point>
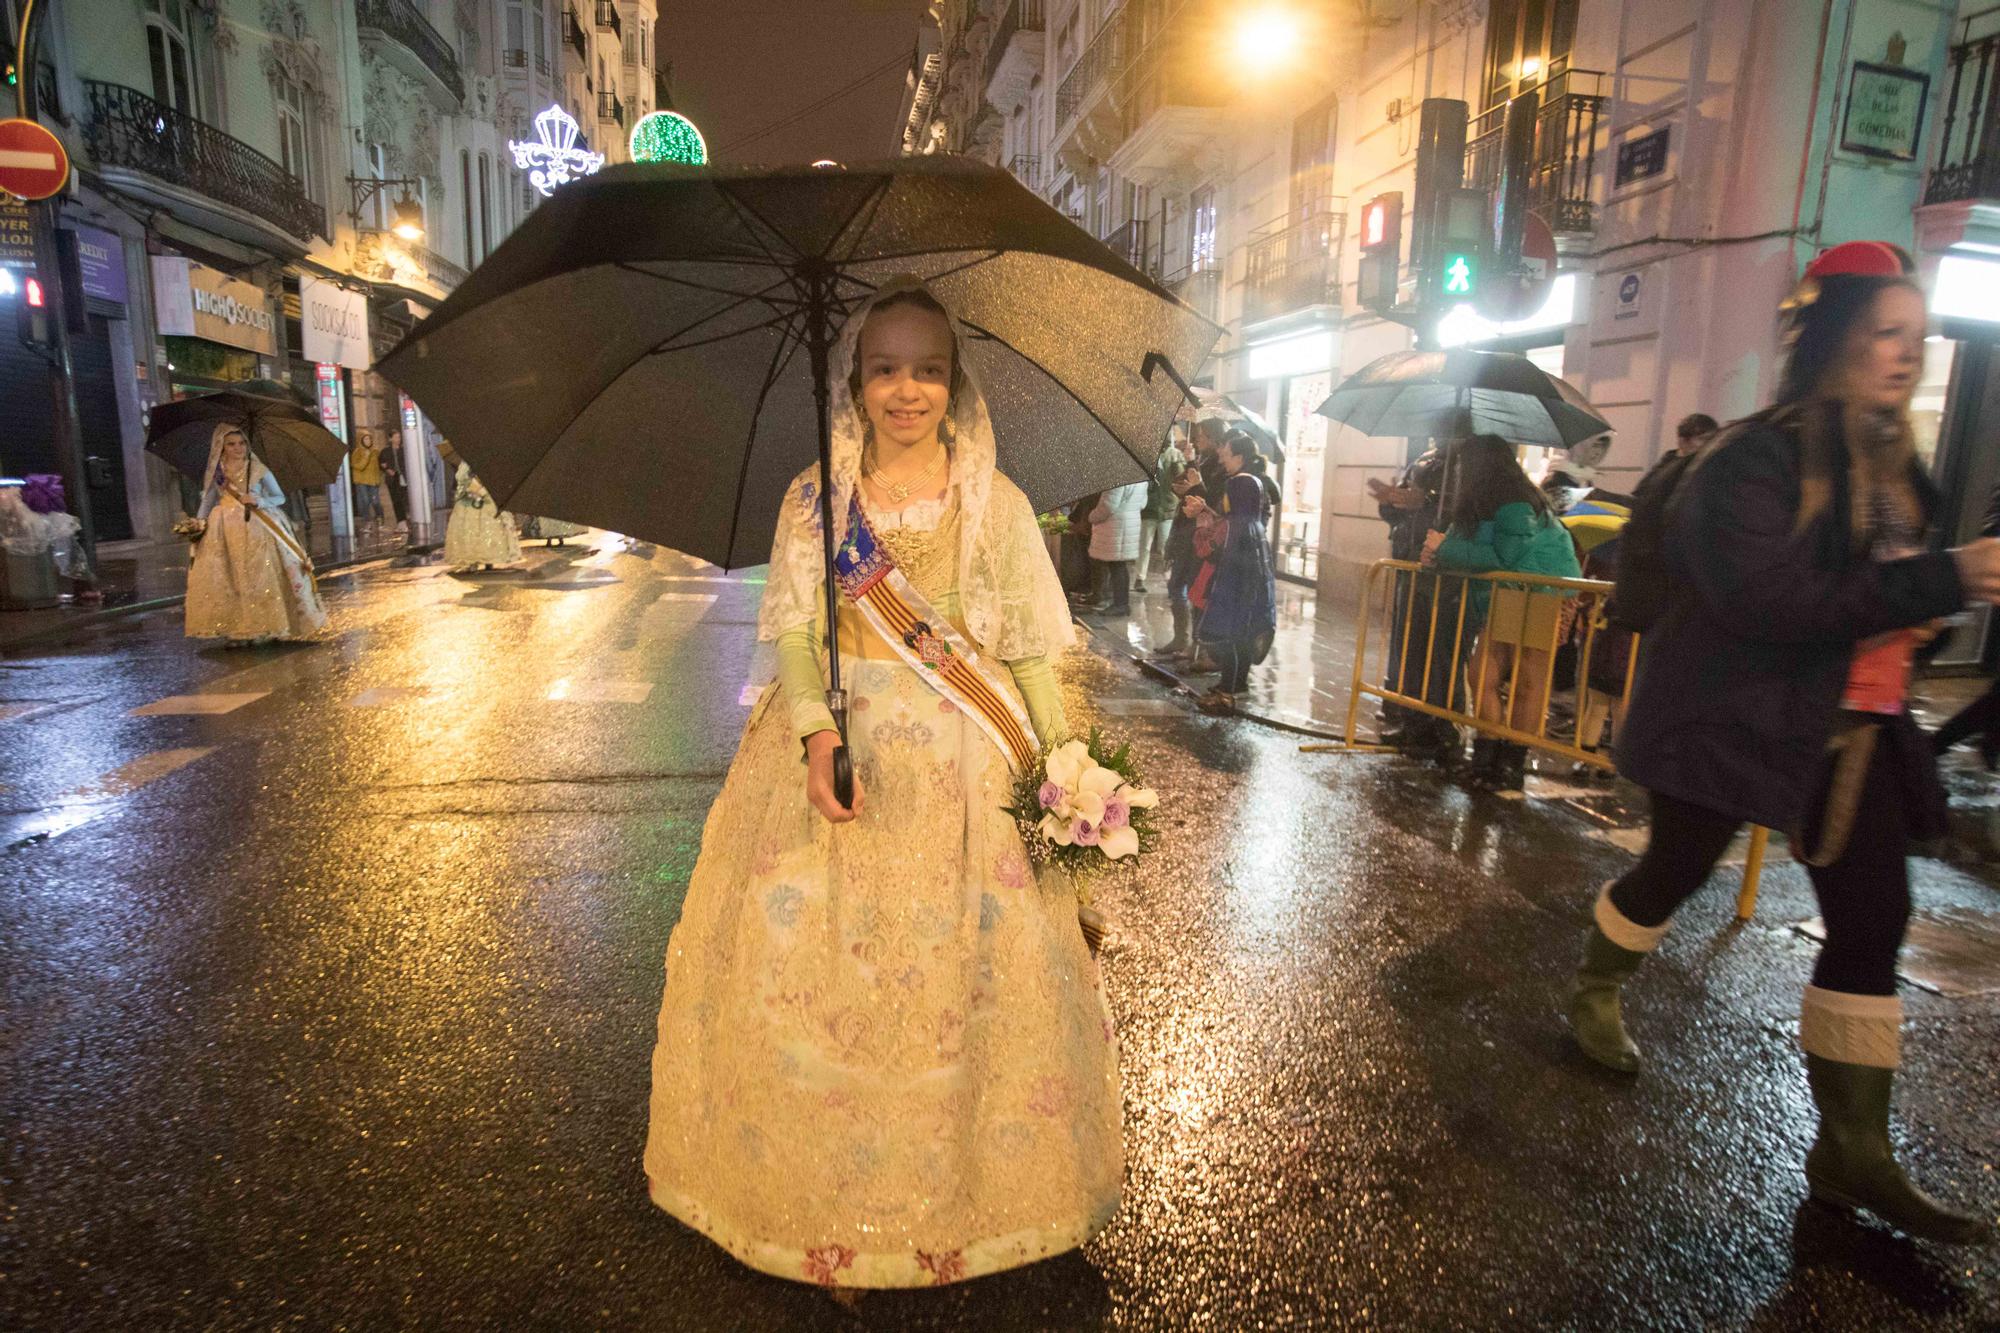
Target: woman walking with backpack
<point>1772,691</point>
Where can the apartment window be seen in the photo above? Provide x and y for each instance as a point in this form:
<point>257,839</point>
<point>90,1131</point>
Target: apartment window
<point>485,205</point>
<point>1201,229</point>
<point>645,44</point>
<point>516,53</point>
<point>295,153</point>
<point>1066,41</point>
<point>465,200</point>
<point>1312,160</point>
<point>541,20</point>
<point>167,49</point>
<point>1526,41</point>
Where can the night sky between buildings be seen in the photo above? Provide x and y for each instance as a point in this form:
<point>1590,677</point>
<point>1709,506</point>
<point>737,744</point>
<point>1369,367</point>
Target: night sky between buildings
<point>742,65</point>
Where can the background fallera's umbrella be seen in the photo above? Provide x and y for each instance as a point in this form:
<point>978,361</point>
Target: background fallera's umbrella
<point>283,432</point>
<point>648,352</point>
<point>1207,402</point>
<point>1406,393</point>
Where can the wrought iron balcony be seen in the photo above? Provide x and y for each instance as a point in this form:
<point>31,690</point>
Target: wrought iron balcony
<point>129,130</point>
<point>1565,149</point>
<point>401,22</point>
<point>1968,165</point>
<point>1023,16</point>
<point>514,58</point>
<point>1133,244</point>
<point>573,35</point>
<point>610,107</point>
<point>384,257</point>
<point>607,18</point>
<point>1094,69</point>
<point>1294,263</point>
<point>1027,169</point>
<point>1199,287</point>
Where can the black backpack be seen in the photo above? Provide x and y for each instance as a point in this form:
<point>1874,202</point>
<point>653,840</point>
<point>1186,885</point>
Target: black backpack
<point>1644,583</point>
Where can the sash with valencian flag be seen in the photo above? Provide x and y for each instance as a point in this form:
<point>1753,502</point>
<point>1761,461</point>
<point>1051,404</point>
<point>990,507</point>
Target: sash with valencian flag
<point>926,641</point>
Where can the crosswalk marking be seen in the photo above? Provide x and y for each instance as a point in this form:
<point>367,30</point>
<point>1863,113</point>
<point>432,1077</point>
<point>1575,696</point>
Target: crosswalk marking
<point>749,695</point>
<point>567,690</point>
<point>1140,707</point>
<point>203,705</point>
<point>705,598</point>
<point>377,696</point>
<point>76,808</point>
<point>16,712</point>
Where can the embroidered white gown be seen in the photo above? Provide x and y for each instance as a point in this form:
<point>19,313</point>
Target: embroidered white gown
<point>885,1057</point>
<point>478,532</point>
<point>247,581</point>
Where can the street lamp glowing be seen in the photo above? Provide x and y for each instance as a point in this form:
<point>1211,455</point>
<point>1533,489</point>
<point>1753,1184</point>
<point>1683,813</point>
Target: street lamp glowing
<point>409,219</point>
<point>1266,37</point>
<point>1531,67</point>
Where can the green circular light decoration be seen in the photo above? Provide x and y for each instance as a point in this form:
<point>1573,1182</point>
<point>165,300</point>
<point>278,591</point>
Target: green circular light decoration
<point>668,136</point>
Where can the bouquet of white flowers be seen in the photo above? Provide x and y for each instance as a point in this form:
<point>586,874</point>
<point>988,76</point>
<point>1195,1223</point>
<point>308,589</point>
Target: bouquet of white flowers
<point>1082,806</point>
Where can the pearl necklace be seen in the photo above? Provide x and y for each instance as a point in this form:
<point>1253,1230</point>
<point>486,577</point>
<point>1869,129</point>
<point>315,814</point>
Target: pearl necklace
<point>901,491</point>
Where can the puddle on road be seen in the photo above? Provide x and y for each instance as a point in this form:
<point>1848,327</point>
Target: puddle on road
<point>1952,951</point>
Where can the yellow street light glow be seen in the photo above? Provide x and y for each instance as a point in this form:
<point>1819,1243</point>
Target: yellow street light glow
<point>1269,35</point>
<point>1531,67</point>
<point>409,219</point>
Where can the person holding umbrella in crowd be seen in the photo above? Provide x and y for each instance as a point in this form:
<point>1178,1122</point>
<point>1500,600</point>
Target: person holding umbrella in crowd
<point>251,581</point>
<point>1773,690</point>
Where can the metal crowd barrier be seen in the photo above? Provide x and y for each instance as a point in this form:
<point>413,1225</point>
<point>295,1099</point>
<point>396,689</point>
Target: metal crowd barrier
<point>1465,670</point>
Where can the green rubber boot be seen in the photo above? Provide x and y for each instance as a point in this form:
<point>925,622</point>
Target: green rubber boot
<point>1594,1016</point>
<point>1852,1165</point>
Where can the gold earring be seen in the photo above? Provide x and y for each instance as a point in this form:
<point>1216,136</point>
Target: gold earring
<point>948,429</point>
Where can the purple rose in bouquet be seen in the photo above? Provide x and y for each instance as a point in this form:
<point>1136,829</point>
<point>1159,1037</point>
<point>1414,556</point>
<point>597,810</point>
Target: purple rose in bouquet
<point>43,493</point>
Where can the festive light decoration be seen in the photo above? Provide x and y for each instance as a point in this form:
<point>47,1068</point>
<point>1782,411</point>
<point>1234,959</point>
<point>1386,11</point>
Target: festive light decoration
<point>554,158</point>
<point>668,136</point>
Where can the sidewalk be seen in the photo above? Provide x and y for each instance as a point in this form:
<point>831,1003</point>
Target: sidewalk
<point>138,576</point>
<point>1305,683</point>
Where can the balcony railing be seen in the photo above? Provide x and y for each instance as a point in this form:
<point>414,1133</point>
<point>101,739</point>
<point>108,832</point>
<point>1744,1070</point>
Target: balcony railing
<point>1199,287</point>
<point>1968,165</point>
<point>1169,73</point>
<point>1027,169</point>
<point>1292,264</point>
<point>1133,243</point>
<point>126,128</point>
<point>388,257</point>
<point>573,34</point>
<point>514,58</point>
<point>1022,16</point>
<point>1099,63</point>
<point>607,18</point>
<point>610,107</point>
<point>1565,149</point>
<point>403,23</point>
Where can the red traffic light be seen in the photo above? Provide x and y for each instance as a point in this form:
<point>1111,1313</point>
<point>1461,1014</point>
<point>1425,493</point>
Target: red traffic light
<point>35,297</point>
<point>1382,223</point>
<point>1375,224</point>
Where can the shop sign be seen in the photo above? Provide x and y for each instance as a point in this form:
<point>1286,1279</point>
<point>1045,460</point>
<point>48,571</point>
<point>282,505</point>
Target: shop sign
<point>1967,288</point>
<point>1302,354</point>
<point>17,233</point>
<point>1642,158</point>
<point>333,324</point>
<point>1885,111</point>
<point>101,255</point>
<point>195,301</point>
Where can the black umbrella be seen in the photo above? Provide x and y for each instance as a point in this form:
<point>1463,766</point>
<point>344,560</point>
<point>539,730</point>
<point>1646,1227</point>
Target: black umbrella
<point>1405,393</point>
<point>283,432</point>
<point>648,352</point>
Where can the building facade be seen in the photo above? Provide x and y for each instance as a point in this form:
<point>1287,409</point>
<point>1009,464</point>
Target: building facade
<point>1689,157</point>
<point>278,190</point>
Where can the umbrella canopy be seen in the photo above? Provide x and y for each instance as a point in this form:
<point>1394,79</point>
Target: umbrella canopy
<point>1508,395</point>
<point>1208,403</point>
<point>640,354</point>
<point>283,432</point>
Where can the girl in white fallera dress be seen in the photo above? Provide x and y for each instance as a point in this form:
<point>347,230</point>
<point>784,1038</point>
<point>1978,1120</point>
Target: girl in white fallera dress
<point>885,1057</point>
<point>478,533</point>
<point>251,579</point>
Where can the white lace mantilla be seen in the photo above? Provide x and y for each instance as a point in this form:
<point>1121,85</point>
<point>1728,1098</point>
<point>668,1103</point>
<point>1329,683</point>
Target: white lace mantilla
<point>1009,594</point>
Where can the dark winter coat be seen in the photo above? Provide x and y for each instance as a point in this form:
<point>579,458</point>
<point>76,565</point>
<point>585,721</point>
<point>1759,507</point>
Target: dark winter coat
<point>1739,684</point>
<point>1243,595</point>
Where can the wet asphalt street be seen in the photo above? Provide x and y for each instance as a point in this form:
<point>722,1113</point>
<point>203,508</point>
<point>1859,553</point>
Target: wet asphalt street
<point>328,976</point>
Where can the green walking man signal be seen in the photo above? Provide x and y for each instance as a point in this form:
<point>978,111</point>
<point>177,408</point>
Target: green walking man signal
<point>1461,275</point>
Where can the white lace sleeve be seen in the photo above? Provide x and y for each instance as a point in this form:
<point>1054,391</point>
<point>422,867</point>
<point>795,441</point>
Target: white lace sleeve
<point>794,590</point>
<point>1012,597</point>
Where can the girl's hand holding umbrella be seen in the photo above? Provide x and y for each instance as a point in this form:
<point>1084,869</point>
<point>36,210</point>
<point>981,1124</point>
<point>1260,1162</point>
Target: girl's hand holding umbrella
<point>1432,540</point>
<point>819,779</point>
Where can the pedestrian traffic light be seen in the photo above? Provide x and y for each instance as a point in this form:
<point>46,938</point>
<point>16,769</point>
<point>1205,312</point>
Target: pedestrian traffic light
<point>1381,250</point>
<point>1461,274</point>
<point>31,315</point>
<point>1440,170</point>
<point>1454,270</point>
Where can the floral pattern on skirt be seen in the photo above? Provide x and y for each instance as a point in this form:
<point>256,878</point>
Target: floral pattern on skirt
<point>885,1057</point>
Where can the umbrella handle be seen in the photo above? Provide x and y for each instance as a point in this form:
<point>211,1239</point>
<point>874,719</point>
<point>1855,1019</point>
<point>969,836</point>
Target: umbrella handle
<point>843,775</point>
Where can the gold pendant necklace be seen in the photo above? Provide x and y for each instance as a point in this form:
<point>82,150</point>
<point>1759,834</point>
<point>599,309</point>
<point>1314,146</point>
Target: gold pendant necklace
<point>901,491</point>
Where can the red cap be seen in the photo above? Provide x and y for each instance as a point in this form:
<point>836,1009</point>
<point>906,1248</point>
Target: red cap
<point>1863,259</point>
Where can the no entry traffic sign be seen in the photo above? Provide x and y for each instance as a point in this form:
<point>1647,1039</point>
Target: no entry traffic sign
<point>33,164</point>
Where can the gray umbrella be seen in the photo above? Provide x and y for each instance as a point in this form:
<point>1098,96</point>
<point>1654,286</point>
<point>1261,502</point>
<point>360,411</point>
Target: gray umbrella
<point>1406,393</point>
<point>648,352</point>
